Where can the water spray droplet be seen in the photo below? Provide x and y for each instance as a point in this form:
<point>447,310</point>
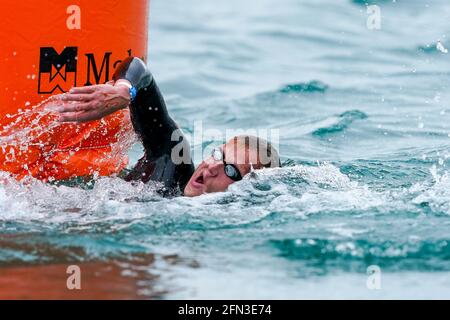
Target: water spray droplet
<point>441,48</point>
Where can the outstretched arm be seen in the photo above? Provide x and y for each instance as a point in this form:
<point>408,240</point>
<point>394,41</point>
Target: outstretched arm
<point>90,103</point>
<point>149,115</point>
<point>160,135</point>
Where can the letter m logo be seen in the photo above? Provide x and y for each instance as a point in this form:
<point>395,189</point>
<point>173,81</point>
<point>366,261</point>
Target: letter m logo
<point>57,71</point>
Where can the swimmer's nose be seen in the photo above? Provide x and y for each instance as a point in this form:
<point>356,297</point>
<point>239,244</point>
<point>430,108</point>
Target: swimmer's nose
<point>212,169</point>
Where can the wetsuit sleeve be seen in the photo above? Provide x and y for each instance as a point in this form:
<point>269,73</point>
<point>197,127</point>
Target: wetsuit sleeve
<point>149,115</point>
<point>157,130</point>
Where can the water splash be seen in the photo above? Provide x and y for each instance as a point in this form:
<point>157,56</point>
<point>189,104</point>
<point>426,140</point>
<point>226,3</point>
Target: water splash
<point>441,48</point>
<point>35,143</point>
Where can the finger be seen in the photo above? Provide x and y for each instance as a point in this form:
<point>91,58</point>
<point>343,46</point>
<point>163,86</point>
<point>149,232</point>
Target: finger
<point>77,97</point>
<point>55,97</point>
<point>74,107</point>
<point>69,117</point>
<point>87,116</point>
<point>78,116</point>
<point>86,89</point>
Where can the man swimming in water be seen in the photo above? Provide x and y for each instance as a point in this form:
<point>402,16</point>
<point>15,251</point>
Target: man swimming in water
<point>167,153</point>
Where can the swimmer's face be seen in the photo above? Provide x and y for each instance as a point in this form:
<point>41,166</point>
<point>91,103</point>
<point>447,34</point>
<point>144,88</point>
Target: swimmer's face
<point>210,175</point>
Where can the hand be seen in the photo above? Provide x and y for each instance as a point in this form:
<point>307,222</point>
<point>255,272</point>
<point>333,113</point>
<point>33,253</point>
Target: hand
<point>92,102</point>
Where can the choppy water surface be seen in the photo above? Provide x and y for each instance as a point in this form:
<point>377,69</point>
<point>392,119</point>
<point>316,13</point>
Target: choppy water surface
<point>364,134</point>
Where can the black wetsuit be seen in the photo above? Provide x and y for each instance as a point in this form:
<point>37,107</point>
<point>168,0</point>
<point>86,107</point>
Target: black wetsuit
<point>155,127</point>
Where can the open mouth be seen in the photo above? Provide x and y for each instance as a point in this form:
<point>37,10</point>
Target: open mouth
<point>199,179</point>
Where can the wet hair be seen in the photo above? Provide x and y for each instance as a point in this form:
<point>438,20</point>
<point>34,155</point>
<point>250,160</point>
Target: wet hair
<point>267,155</point>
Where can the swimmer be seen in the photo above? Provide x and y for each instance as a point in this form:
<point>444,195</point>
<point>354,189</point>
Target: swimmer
<point>167,156</point>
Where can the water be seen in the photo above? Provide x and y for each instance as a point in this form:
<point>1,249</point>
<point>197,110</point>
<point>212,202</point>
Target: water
<point>363,118</point>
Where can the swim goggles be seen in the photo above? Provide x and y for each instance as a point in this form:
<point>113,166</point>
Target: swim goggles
<point>231,171</point>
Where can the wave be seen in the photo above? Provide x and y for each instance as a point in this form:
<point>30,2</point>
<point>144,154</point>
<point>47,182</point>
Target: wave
<point>433,48</point>
<point>41,222</point>
<point>344,120</point>
<point>300,189</point>
<point>371,2</point>
<point>305,87</point>
<point>325,255</point>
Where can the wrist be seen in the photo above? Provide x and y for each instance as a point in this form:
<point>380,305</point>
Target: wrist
<point>124,93</point>
<point>131,89</point>
<point>123,82</point>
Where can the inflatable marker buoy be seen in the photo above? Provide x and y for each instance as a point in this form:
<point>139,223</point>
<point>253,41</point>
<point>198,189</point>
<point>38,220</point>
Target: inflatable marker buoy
<point>48,47</point>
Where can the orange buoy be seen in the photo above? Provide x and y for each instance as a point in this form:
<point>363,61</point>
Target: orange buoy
<point>48,47</point>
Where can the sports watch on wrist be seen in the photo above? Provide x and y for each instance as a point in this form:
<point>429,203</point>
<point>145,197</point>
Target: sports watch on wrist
<point>131,89</point>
